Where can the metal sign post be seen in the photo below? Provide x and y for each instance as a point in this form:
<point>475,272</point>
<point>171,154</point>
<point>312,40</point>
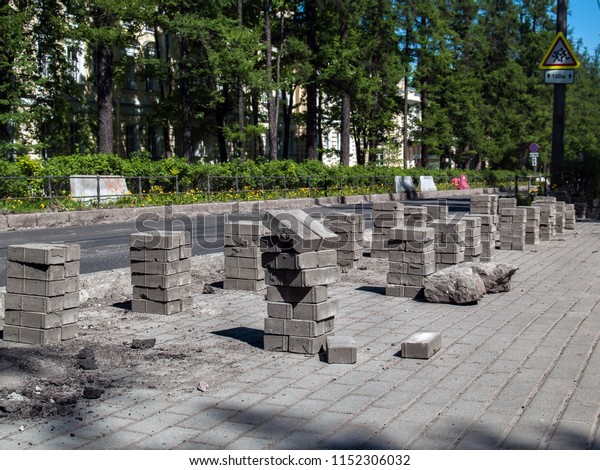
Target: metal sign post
<point>560,57</point>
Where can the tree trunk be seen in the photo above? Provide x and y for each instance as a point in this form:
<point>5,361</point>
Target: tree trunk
<point>476,165</point>
<point>186,101</point>
<point>424,146</point>
<point>311,152</point>
<point>288,104</point>
<point>166,128</point>
<point>222,143</point>
<point>360,155</point>
<point>345,131</point>
<point>241,150</point>
<point>272,111</point>
<point>346,111</point>
<point>424,104</point>
<point>256,140</point>
<point>522,155</point>
<point>105,98</point>
<point>221,114</point>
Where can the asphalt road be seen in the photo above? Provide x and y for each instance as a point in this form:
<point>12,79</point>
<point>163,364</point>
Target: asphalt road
<point>106,246</point>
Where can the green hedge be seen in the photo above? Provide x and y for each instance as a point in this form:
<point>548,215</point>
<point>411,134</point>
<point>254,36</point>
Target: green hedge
<point>267,175</point>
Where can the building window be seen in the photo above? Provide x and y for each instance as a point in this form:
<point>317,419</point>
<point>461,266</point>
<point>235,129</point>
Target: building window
<point>132,138</point>
<point>130,77</point>
<point>154,142</point>
<point>151,81</point>
<point>76,63</point>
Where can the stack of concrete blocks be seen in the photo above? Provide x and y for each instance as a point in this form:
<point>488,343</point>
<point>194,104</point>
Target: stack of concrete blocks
<point>485,206</point>
<point>473,248</point>
<point>385,216</point>
<point>416,216</point>
<point>449,242</point>
<point>532,226</point>
<point>42,293</point>
<point>243,263</point>
<point>488,237</point>
<point>560,217</point>
<point>547,205</point>
<point>570,216</point>
<point>412,259</point>
<point>161,272</point>
<point>436,212</point>
<point>300,265</point>
<point>349,229</point>
<point>513,221</point>
<point>504,203</point>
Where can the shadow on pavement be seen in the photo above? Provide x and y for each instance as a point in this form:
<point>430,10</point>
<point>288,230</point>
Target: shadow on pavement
<point>125,305</point>
<point>373,289</point>
<point>251,336</point>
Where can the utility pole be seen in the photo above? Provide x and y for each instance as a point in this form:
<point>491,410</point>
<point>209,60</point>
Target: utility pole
<point>558,114</point>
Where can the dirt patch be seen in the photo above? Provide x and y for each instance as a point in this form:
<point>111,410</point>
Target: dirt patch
<point>38,382</point>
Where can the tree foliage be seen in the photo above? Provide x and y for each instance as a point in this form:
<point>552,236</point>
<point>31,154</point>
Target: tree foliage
<point>268,79</point>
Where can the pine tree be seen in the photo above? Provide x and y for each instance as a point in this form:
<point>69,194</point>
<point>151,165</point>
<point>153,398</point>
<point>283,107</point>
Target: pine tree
<point>17,68</point>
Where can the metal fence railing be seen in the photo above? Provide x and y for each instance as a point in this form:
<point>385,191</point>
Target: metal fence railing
<point>49,190</point>
<point>268,187</point>
<point>53,188</point>
<point>526,186</point>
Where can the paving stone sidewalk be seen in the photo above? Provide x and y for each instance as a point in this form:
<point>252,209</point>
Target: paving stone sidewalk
<point>519,370</point>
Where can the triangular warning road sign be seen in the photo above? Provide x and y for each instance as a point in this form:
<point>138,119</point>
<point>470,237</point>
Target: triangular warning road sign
<point>560,55</point>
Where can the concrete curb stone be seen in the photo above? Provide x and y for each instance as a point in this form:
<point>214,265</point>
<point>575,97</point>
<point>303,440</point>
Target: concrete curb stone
<point>52,219</point>
<point>20,221</point>
<point>98,216</point>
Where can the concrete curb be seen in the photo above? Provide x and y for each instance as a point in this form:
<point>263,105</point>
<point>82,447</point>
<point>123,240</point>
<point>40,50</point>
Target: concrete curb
<point>103,216</point>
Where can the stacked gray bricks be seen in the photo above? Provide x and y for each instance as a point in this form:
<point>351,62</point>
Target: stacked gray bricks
<point>300,265</point>
<point>243,264</point>
<point>416,216</point>
<point>504,203</point>
<point>449,242</point>
<point>532,226</point>
<point>488,237</point>
<point>42,293</point>
<point>485,206</point>
<point>560,217</point>
<point>570,216</point>
<point>161,272</point>
<point>412,259</point>
<point>385,216</point>
<point>349,229</point>
<point>547,205</point>
<point>505,208</point>
<point>473,247</point>
<point>437,211</point>
<point>512,228</point>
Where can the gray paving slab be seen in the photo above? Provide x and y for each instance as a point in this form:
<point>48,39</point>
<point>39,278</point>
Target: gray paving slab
<point>166,439</point>
<point>220,436</point>
<point>114,441</point>
<point>277,427</point>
